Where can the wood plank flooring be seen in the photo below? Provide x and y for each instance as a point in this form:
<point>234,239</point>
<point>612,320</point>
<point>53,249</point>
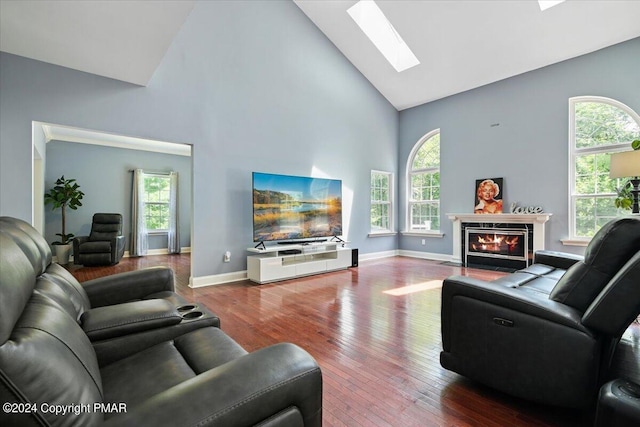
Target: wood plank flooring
<point>379,352</point>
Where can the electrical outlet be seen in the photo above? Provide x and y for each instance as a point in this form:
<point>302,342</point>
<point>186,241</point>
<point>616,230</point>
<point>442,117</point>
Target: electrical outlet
<point>424,242</point>
<point>227,256</point>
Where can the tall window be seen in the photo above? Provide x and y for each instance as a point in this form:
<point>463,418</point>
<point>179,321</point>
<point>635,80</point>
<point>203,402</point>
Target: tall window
<point>423,177</point>
<point>157,190</point>
<point>598,127</point>
<point>381,202</point>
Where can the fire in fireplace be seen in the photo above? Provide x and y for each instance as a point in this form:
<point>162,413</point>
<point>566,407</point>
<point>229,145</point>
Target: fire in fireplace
<point>496,243</point>
<point>508,244</point>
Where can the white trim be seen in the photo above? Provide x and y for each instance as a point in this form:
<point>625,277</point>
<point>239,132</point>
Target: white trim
<point>401,252</point>
<point>161,251</point>
<point>85,136</point>
<point>575,242</point>
<point>382,234</point>
<point>217,279</point>
<point>377,255</point>
<point>151,252</point>
<point>414,233</point>
<point>426,255</point>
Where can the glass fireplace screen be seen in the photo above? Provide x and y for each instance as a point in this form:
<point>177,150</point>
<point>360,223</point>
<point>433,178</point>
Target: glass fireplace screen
<point>497,243</point>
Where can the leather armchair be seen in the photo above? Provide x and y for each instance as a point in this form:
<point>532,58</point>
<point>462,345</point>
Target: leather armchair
<point>138,363</point>
<point>547,333</point>
<point>145,284</point>
<point>104,245</point>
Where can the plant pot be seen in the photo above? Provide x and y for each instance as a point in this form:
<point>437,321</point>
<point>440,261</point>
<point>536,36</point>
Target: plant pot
<point>62,253</point>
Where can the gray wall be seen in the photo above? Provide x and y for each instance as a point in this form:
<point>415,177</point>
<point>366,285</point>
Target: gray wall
<point>253,86</point>
<point>529,148</point>
<point>103,174</point>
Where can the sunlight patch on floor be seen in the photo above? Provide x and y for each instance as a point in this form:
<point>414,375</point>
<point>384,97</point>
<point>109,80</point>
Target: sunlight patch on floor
<point>405,290</point>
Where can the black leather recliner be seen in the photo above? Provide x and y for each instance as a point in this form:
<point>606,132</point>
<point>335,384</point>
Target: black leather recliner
<point>125,350</point>
<point>104,245</point>
<point>547,333</point>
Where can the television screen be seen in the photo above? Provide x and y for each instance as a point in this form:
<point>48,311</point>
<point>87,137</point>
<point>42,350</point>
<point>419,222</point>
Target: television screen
<point>295,207</point>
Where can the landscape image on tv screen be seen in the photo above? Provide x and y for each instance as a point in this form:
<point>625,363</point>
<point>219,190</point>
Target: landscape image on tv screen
<point>294,207</point>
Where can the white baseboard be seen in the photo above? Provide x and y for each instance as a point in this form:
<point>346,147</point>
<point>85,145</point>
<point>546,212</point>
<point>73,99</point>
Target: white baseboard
<point>150,252</point>
<point>426,255</point>
<point>217,279</point>
<point>411,254</point>
<point>162,251</point>
<point>377,255</point>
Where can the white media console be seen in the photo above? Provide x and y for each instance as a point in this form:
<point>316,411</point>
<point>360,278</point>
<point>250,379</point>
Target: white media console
<point>283,262</point>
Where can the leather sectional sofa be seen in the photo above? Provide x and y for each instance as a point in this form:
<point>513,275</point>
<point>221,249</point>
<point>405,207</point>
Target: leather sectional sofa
<point>126,350</point>
<point>547,333</point>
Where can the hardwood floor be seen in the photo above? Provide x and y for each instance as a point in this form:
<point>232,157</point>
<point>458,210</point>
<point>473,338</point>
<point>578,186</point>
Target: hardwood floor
<point>379,352</point>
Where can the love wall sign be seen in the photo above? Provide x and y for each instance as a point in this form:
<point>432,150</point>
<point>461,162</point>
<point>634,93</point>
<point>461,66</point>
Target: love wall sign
<point>515,209</point>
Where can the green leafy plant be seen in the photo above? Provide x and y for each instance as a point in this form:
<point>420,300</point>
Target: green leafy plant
<point>65,194</point>
<point>624,200</point>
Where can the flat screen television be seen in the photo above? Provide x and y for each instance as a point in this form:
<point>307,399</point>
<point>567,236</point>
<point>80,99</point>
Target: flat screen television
<point>295,208</point>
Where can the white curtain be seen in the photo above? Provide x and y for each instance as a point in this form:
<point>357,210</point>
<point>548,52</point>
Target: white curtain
<point>139,241</point>
<point>174,234</point>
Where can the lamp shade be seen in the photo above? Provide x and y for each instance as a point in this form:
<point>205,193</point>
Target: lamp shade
<point>625,164</point>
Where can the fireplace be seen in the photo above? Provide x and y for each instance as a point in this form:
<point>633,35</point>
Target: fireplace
<point>508,244</point>
<point>528,228</point>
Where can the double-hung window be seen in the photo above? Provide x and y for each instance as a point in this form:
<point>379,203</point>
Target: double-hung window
<point>598,127</point>
<point>423,182</point>
<point>381,202</point>
<point>157,212</point>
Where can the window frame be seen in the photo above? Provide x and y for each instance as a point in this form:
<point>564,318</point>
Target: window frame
<point>390,203</point>
<point>575,153</point>
<point>409,229</point>
<point>168,203</point>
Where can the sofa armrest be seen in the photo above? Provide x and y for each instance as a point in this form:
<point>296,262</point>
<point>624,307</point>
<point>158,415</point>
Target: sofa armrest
<point>77,241</point>
<point>243,392</point>
<point>562,260</point>
<point>129,286</point>
<point>117,248</point>
<point>124,319</point>
<point>516,299</point>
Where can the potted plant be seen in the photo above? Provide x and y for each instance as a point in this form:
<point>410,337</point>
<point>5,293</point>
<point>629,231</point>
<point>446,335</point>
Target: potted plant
<point>65,194</point>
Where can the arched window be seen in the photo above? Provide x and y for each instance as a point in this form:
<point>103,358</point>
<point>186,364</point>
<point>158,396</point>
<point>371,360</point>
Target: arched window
<point>423,184</point>
<point>598,127</point>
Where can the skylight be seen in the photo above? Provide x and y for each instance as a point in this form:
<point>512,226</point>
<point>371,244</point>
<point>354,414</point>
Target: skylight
<point>546,4</point>
<point>377,27</point>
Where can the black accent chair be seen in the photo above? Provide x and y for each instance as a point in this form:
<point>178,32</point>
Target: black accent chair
<point>117,351</point>
<point>547,333</point>
<point>104,245</point>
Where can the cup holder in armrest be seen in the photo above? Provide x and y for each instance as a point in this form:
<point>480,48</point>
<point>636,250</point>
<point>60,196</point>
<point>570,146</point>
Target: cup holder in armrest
<point>187,307</point>
<point>192,315</point>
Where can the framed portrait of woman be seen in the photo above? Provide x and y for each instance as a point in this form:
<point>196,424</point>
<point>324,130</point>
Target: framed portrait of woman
<point>488,196</point>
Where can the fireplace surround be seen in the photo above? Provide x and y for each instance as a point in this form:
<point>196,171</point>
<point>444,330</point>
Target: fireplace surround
<point>498,232</point>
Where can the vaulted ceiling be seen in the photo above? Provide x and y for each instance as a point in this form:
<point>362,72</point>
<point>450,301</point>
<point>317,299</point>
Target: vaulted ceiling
<point>464,44</point>
<point>461,44</point>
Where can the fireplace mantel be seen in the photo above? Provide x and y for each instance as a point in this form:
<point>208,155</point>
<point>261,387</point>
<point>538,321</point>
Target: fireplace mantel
<point>538,220</point>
